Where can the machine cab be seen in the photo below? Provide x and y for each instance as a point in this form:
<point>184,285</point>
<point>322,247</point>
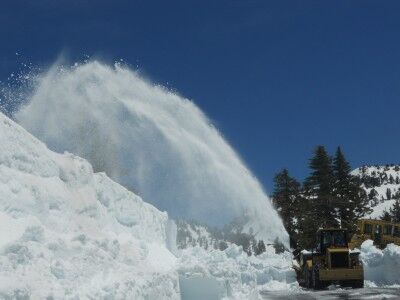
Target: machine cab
<point>331,238</point>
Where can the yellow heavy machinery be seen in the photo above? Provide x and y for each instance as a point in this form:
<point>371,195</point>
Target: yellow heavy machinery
<point>330,262</point>
<point>381,232</point>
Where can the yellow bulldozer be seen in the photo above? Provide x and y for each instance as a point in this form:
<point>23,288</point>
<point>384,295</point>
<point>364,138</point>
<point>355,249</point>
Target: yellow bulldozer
<point>381,232</point>
<point>330,262</point>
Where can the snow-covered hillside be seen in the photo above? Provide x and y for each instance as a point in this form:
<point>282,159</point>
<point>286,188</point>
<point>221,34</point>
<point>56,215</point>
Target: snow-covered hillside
<point>382,184</point>
<point>67,232</point>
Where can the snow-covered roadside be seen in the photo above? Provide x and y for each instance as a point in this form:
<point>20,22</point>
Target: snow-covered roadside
<point>381,267</point>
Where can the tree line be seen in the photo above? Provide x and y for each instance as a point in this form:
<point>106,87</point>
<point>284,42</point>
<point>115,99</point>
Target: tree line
<point>329,197</point>
<point>393,215</point>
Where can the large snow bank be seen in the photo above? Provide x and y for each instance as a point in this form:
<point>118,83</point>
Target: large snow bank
<point>66,232</point>
<point>381,266</point>
<point>231,273</point>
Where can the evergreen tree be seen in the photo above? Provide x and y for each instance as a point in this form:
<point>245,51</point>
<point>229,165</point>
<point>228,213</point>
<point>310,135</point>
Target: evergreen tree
<point>286,198</point>
<point>395,212</point>
<point>318,207</point>
<point>307,224</point>
<point>319,188</point>
<point>260,248</point>
<point>386,216</point>
<point>351,199</point>
<point>372,194</point>
<point>388,194</point>
<point>279,246</point>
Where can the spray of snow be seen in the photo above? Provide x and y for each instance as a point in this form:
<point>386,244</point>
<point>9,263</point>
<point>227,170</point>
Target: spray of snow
<point>150,140</point>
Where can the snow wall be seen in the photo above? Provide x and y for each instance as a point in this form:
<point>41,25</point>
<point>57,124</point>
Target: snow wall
<point>69,233</point>
<point>150,140</point>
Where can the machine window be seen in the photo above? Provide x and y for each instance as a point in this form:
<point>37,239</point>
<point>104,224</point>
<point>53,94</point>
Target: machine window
<point>334,238</point>
<point>327,239</point>
<point>396,231</point>
<point>367,228</point>
<point>387,230</point>
<point>339,238</point>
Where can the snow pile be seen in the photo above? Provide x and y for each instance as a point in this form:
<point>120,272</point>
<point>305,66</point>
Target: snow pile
<point>231,273</point>
<point>66,232</point>
<point>150,140</point>
<point>381,266</point>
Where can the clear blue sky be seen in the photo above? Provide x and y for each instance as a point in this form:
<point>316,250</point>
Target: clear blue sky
<point>276,77</point>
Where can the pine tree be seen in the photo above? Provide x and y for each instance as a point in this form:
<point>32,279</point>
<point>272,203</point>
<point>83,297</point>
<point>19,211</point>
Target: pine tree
<point>317,205</point>
<point>319,189</point>
<point>286,198</point>
<point>388,194</point>
<point>343,186</point>
<point>386,216</point>
<point>351,199</point>
<point>260,248</point>
<point>372,194</point>
<point>307,224</point>
<point>395,212</point>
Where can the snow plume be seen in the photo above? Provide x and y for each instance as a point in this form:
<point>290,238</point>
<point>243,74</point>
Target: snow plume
<point>150,140</point>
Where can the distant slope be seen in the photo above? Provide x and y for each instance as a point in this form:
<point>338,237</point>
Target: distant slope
<point>382,184</point>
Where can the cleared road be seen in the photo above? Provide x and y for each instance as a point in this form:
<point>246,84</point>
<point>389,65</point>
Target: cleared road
<point>366,293</point>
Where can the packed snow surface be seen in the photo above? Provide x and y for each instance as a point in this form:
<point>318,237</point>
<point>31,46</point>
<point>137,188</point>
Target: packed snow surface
<point>381,267</point>
<point>150,140</point>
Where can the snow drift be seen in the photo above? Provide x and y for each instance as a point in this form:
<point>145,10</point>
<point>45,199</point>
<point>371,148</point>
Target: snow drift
<point>150,140</point>
<point>381,266</point>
